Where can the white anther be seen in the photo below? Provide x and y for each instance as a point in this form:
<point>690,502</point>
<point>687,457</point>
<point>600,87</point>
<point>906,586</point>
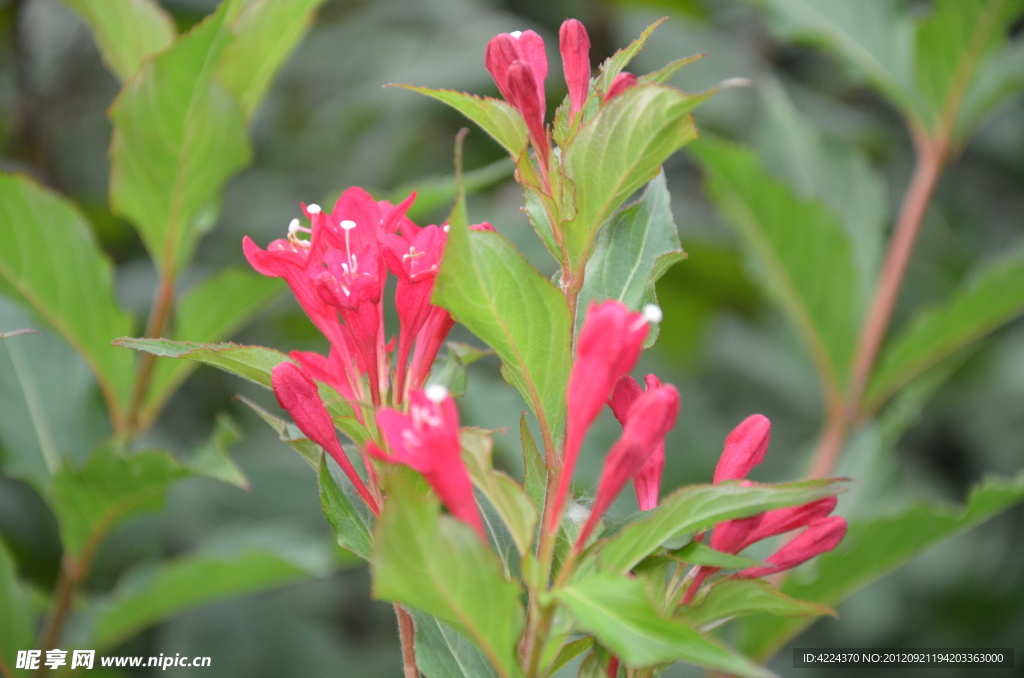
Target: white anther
<point>313,209</point>
<point>516,34</point>
<point>293,227</point>
<point>652,313</point>
<point>347,224</point>
<point>436,393</point>
<point>447,228</point>
<point>735,82</point>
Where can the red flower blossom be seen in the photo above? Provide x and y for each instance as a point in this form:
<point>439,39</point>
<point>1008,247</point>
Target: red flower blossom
<point>297,394</point>
<point>821,536</point>
<point>647,423</point>
<point>427,440</point>
<point>574,45</point>
<point>646,481</point>
<point>744,449</point>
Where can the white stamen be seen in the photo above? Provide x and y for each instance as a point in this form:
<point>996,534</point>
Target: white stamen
<point>516,34</point>
<point>436,393</point>
<point>313,209</point>
<point>293,227</point>
<point>347,224</point>
<point>447,228</point>
<point>735,82</point>
<point>652,313</point>
<point>344,267</point>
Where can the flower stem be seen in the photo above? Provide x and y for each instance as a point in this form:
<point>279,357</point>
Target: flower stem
<point>158,319</point>
<point>407,634</point>
<point>63,595</point>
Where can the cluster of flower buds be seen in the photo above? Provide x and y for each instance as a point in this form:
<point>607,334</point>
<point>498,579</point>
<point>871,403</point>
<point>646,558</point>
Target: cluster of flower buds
<point>744,449</point>
<point>337,269</point>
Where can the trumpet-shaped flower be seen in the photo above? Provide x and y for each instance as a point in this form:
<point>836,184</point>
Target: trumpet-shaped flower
<point>646,481</point>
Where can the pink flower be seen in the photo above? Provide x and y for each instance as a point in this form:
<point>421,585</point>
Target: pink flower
<point>649,420</point>
<point>821,536</point>
<point>427,440</point>
<point>574,45</point>
<point>297,394</point>
<point>745,448</point>
<point>646,481</point>
<point>522,93</point>
<point>525,46</point>
<point>620,83</point>
<point>607,349</point>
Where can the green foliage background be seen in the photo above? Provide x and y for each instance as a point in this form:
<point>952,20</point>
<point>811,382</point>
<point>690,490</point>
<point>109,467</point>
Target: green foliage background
<point>326,123</point>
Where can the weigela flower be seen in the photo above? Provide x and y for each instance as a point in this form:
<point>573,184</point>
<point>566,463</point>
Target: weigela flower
<point>648,421</point>
<point>574,45</point>
<point>427,440</point>
<point>647,480</point>
<point>297,394</point>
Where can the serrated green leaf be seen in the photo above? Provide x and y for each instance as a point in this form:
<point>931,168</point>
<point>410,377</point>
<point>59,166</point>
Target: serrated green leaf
<point>619,151</point>
<point>614,64</point>
<point>178,136</point>
<point>952,43</point>
<point>439,565</point>
<point>615,609</point>
<point>535,473</point>
<point>266,32</point>
<point>697,553</point>
<point>149,595</point>
<point>508,498</point>
<point>212,459</point>
<point>873,548</point>
<point>570,651</point>
<point>504,123</point>
<point>50,262</point>
<point>634,248</point>
<point>210,312</point>
<point>350,528</point>
<point>801,251</point>
<point>289,433</point>
<point>254,363</point>
<point>491,289</point>
<point>16,622</point>
<point>876,39</point>
<point>994,298</point>
<point>999,78</point>
<point>443,652</point>
<point>110,487</point>
<point>126,31</point>
<point>700,507</point>
<point>731,598</point>
<point>665,73</point>
<point>815,166</point>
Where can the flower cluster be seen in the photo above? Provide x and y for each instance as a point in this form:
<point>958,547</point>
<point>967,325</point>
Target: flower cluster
<point>338,275</point>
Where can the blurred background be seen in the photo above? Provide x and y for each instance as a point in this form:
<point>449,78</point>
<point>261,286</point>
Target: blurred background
<point>327,124</point>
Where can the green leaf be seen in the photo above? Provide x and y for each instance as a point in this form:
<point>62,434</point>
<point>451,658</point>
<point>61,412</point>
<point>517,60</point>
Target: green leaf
<point>634,248</point>
<point>439,565</point>
<point>731,598</point>
<point>838,174</point>
<point>178,136</point>
<point>697,553</point>
<point>490,288</point>
<point>289,433</point>
<point>619,151</point>
<point>266,32</point>
<point>873,548</point>
<point>254,363</point>
<point>614,64</point>
<point>535,475</point>
<point>110,487</point>
<point>443,652</point>
<point>150,594</point>
<point>999,78</point>
<point>570,651</point>
<point>126,31</point>
<point>504,123</point>
<point>952,44</point>
<point>437,192</point>
<point>350,528</point>
<point>210,312</point>
<point>616,610</point>
<point>994,298</point>
<point>665,73</point>
<point>50,262</point>
<point>16,622</point>
<point>508,498</point>
<point>449,369</point>
<point>876,39</point>
<point>700,507</point>
<point>212,459</point>
<point>801,250</point>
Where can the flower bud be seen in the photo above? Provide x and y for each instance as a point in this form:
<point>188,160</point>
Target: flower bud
<point>574,45</point>
<point>620,84</point>
<point>744,448</point>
